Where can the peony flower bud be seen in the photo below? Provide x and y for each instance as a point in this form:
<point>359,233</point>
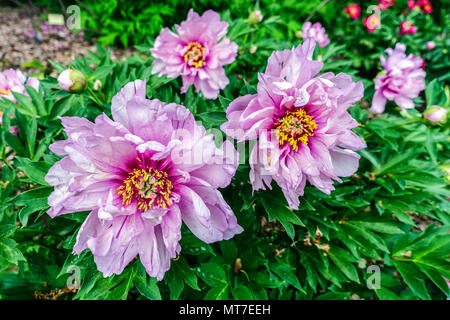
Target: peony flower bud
<point>430,45</point>
<point>436,114</point>
<point>255,17</point>
<point>97,85</point>
<point>72,81</point>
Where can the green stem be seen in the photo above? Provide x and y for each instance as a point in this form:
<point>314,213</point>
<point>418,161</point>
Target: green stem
<point>407,122</point>
<point>94,97</point>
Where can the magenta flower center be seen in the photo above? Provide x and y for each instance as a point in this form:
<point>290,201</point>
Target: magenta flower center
<point>295,127</point>
<point>150,188</point>
<point>194,55</point>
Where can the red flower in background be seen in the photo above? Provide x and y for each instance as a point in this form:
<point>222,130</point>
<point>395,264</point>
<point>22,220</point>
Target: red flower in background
<point>353,11</point>
<point>372,22</point>
<point>406,27</point>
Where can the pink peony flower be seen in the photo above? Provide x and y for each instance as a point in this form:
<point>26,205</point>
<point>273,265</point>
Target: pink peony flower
<point>401,81</point>
<point>372,22</point>
<point>385,4</point>
<point>316,32</point>
<point>436,114</point>
<point>353,11</point>
<point>431,45</point>
<point>14,80</point>
<point>141,175</point>
<point>411,4</point>
<point>301,122</point>
<point>406,27</point>
<point>196,53</point>
<point>425,5</point>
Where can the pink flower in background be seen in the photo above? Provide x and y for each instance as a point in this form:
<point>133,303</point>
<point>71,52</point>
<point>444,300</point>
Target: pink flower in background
<point>385,4</point>
<point>372,22</point>
<point>406,27</point>
<point>196,52</point>
<point>431,45</point>
<point>13,129</point>
<point>353,11</point>
<point>142,174</point>
<point>301,122</point>
<point>401,81</point>
<point>425,5</point>
<point>14,80</point>
<point>316,32</point>
<point>411,4</point>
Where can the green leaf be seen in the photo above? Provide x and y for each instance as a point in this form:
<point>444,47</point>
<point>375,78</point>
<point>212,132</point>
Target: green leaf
<point>37,99</point>
<point>379,225</point>
<point>36,171</point>
<point>276,208</point>
<point>212,273</point>
<point>284,271</point>
<point>242,293</point>
<point>217,293</point>
<point>101,72</point>
<point>413,277</point>
<point>146,286</point>
<point>345,266</point>
<point>386,294</point>
<point>15,143</point>
<point>185,272</point>
<point>431,146</point>
<point>194,246</point>
<point>435,94</point>
<point>24,104</point>
<point>9,254</point>
<point>435,276</point>
<point>212,118</point>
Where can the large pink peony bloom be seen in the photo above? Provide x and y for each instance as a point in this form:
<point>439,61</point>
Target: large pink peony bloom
<point>301,122</point>
<point>401,81</point>
<point>316,32</point>
<point>196,53</point>
<point>141,175</point>
<point>14,80</point>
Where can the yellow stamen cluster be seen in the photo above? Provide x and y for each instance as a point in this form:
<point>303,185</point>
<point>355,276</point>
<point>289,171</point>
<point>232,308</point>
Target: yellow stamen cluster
<point>194,55</point>
<point>295,126</point>
<point>151,188</point>
<point>5,92</point>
